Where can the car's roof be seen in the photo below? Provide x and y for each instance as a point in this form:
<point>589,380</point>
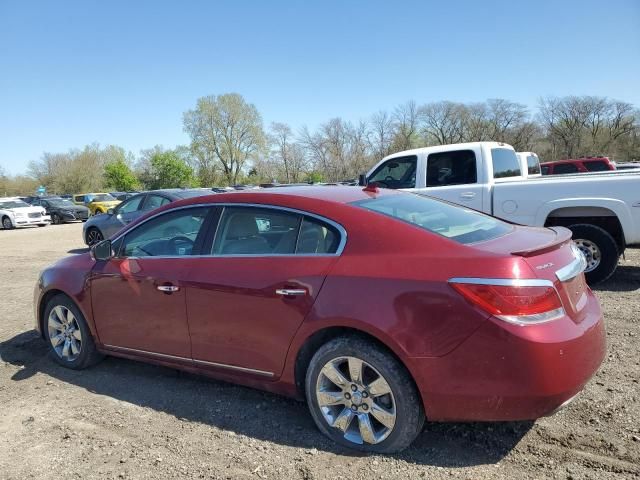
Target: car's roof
<point>337,194</point>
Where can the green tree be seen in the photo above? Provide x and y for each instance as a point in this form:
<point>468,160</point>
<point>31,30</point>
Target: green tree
<point>168,170</point>
<point>119,176</point>
<point>227,130</point>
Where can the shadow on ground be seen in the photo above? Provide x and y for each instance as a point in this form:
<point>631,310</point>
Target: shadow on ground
<point>625,279</point>
<point>250,412</point>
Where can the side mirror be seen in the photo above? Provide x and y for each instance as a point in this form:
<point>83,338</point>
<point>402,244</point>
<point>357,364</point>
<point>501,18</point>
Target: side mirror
<point>362,180</point>
<point>102,250</point>
<point>111,211</point>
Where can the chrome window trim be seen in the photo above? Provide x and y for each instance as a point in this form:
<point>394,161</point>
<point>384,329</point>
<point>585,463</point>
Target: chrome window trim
<point>341,230</point>
<point>574,268</point>
<point>504,282</point>
<point>192,360</point>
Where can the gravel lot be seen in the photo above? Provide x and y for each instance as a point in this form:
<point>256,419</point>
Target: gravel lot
<point>123,419</point>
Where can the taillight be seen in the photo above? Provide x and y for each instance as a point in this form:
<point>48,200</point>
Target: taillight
<point>522,302</point>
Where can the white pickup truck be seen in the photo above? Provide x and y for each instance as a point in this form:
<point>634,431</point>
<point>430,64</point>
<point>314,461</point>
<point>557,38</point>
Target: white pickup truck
<point>603,211</point>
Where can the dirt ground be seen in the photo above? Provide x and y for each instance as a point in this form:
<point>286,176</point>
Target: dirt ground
<point>123,419</point>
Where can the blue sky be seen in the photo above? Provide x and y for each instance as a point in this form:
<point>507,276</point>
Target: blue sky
<point>123,72</point>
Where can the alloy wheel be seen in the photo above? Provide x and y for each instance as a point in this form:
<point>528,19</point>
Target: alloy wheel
<point>356,399</point>
<point>6,223</point>
<point>55,218</point>
<point>64,333</point>
<point>94,236</point>
<point>591,253</point>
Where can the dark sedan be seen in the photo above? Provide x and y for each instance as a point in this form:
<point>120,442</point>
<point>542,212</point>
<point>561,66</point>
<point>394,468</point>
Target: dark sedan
<point>62,210</point>
<point>100,227</point>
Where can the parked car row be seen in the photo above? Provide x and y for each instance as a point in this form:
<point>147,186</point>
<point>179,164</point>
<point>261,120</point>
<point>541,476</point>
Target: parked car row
<point>381,308</point>
<point>16,213</point>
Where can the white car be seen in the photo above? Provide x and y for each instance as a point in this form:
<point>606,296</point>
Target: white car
<point>16,213</point>
<point>601,209</point>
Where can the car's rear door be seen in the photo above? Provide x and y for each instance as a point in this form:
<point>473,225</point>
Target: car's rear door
<point>138,297</point>
<point>246,300</point>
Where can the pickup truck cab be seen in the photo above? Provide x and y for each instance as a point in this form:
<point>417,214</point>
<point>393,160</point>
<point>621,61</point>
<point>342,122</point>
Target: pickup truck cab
<point>578,165</point>
<point>603,211</point>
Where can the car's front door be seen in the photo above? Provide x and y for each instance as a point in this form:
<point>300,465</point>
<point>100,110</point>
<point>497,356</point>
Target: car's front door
<point>124,214</point>
<point>246,301</point>
<point>138,296</point>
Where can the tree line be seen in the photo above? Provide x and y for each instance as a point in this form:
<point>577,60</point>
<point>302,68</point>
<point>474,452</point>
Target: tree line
<point>229,143</point>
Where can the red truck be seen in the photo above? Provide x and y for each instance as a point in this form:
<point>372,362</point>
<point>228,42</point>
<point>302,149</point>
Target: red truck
<point>577,165</point>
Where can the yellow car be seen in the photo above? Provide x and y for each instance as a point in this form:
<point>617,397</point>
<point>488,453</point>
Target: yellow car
<point>97,203</point>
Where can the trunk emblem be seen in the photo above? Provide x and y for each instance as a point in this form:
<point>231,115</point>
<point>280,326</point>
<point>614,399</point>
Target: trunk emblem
<point>543,266</point>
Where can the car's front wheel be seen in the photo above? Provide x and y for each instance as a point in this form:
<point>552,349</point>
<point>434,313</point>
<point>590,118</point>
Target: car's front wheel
<point>361,397</point>
<point>94,236</point>
<point>55,219</point>
<point>68,334</point>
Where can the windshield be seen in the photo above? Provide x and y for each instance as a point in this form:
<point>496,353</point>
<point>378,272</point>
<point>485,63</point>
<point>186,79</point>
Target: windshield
<point>103,198</point>
<point>60,202</point>
<point>456,223</point>
<point>13,204</point>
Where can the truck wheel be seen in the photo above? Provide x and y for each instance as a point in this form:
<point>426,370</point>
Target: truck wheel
<point>600,250</point>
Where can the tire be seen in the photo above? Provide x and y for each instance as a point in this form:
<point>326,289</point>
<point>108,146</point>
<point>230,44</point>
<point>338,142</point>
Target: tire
<point>55,219</point>
<point>93,236</point>
<point>98,212</point>
<point>600,249</point>
<point>403,397</point>
<point>56,313</point>
<point>6,223</point>
<point>42,224</point>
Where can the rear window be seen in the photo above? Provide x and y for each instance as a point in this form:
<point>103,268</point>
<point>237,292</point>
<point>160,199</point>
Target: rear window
<point>597,166</point>
<point>456,223</point>
<point>533,165</point>
<point>561,168</point>
<point>451,168</point>
<point>505,163</point>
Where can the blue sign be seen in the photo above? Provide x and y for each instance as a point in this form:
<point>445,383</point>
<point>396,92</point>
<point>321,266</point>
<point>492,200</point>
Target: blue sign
<point>41,189</point>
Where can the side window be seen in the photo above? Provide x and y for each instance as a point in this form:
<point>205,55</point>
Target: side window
<point>565,168</point>
<point>396,173</point>
<point>154,201</point>
<point>172,234</point>
<point>533,165</point>
<point>505,163</point>
<point>597,166</point>
<point>130,205</point>
<point>36,203</point>
<point>78,199</point>
<point>256,231</point>
<point>317,237</point>
<point>545,170</point>
<point>451,168</point>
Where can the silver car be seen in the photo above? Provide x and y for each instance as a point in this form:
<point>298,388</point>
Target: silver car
<point>99,227</point>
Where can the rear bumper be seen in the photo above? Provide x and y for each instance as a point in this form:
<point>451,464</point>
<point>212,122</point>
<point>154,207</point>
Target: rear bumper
<point>509,372</point>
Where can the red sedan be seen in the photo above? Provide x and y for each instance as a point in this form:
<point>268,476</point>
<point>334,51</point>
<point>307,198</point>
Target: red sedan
<point>382,308</point>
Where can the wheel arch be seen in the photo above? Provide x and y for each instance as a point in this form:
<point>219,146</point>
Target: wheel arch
<point>42,306</point>
<point>319,337</point>
<point>602,217</point>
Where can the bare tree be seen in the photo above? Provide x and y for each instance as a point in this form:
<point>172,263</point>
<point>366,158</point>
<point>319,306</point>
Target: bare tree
<point>382,134</point>
<point>444,122</point>
<point>288,156</point>
<point>406,122</point>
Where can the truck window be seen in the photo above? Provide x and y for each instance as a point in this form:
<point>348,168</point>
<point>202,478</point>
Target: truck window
<point>545,170</point>
<point>561,168</point>
<point>396,173</point>
<point>596,166</point>
<point>533,165</point>
<point>451,168</point>
<point>505,163</point>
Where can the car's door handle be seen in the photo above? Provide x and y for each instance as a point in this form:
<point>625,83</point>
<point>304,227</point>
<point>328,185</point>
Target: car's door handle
<point>467,195</point>
<point>167,288</point>
<point>291,291</point>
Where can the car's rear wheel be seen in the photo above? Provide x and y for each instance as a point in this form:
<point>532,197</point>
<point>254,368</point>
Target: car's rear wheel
<point>94,236</point>
<point>599,249</point>
<point>6,223</point>
<point>68,334</point>
<point>361,397</point>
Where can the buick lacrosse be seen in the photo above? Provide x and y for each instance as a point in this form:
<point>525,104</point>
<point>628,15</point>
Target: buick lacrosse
<point>381,308</point>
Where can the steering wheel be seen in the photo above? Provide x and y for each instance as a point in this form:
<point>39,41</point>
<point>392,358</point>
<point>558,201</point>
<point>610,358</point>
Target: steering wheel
<point>173,243</point>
